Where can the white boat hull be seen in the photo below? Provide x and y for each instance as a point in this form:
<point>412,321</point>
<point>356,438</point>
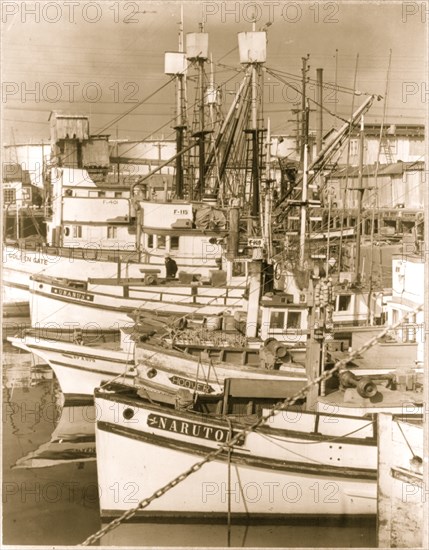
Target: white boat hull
<point>19,265</point>
<point>82,264</point>
<point>53,302</point>
<point>171,371</point>
<point>273,473</point>
<point>79,369</point>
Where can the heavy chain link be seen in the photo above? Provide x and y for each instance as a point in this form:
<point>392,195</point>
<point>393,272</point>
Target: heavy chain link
<point>282,405</point>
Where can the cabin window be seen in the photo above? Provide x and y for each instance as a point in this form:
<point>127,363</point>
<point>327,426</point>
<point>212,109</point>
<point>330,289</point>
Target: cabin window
<point>161,241</point>
<point>112,232</point>
<point>9,195</point>
<point>118,194</point>
<point>67,231</point>
<point>174,243</point>
<point>344,302</point>
<point>101,194</point>
<point>150,241</point>
<point>294,319</point>
<point>77,231</point>
<point>277,319</point>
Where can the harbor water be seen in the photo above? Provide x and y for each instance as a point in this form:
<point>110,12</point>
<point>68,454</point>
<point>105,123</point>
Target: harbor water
<point>50,491</point>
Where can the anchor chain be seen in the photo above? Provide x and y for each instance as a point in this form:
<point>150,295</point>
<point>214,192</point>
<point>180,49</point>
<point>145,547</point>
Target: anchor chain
<point>281,406</point>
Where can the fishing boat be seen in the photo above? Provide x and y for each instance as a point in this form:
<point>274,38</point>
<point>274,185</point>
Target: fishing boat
<point>230,456</point>
<point>295,463</point>
<point>108,303</point>
<point>80,368</point>
<point>168,228</point>
<point>214,221</point>
<point>278,315</point>
<point>106,224</point>
<point>172,352</point>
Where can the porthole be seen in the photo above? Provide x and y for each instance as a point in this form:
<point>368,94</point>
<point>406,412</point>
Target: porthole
<point>128,413</point>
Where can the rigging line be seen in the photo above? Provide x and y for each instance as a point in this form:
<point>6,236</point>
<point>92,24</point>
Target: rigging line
<point>406,440</point>
<point>227,53</point>
<point>313,460</point>
<point>420,159</point>
<point>398,197</point>
<point>240,485</point>
<point>343,89</point>
<point>309,98</point>
<point>329,439</point>
<point>196,378</point>
<point>140,103</point>
<point>134,107</point>
<point>215,373</point>
<point>188,109</point>
<point>123,374</point>
<point>238,437</point>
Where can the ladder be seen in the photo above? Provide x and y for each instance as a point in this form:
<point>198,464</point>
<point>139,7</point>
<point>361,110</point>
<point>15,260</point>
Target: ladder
<point>386,150</point>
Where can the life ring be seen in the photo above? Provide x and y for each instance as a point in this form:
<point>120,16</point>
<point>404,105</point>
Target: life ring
<point>278,271</point>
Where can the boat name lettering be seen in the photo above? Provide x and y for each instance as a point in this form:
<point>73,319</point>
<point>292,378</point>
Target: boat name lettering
<point>110,201</point>
<point>28,259</point>
<point>72,294</point>
<point>183,212</point>
<point>191,384</point>
<point>82,357</point>
<point>192,429</point>
<point>255,242</point>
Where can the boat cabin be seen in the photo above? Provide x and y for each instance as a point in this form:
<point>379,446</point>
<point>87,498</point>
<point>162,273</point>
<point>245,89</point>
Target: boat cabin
<point>352,308</point>
<point>85,214</point>
<point>191,233</point>
<point>283,319</point>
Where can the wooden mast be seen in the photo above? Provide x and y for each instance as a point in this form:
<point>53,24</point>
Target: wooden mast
<point>179,117</point>
<point>360,190</point>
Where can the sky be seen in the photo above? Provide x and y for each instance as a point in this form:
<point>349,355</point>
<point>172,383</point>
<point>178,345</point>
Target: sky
<point>102,59</point>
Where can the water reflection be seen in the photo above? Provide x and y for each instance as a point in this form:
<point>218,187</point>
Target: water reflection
<point>72,441</point>
<point>45,506</point>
